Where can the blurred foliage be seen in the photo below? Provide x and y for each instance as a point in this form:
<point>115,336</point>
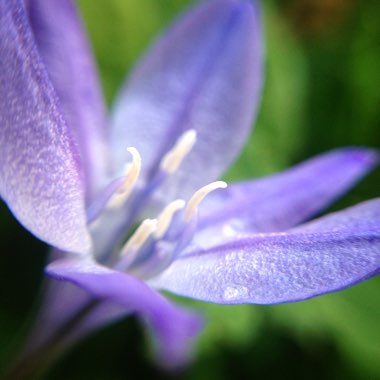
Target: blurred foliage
<point>322,91</point>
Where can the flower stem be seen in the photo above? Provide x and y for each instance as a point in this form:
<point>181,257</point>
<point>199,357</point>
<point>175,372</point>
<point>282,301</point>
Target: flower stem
<point>33,364</point>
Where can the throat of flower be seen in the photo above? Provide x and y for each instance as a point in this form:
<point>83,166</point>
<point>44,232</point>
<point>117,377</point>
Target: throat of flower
<point>168,166</point>
<point>156,242</point>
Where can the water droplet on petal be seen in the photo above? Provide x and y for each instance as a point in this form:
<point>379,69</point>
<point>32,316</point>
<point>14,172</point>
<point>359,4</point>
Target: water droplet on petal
<point>232,293</point>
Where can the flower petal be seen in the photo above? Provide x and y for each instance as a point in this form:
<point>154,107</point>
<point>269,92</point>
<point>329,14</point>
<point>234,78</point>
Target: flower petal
<point>203,74</point>
<point>353,219</point>
<point>64,49</point>
<point>173,326</point>
<point>284,200</point>
<point>39,173</point>
<point>283,267</point>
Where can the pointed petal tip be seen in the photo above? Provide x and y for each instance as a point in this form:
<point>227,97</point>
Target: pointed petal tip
<point>240,8</point>
<point>171,354</point>
<point>238,4</point>
<point>370,157</point>
<point>249,9</point>
<point>210,58</point>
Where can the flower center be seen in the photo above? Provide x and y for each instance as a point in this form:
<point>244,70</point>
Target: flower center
<point>151,232</point>
<point>156,242</point>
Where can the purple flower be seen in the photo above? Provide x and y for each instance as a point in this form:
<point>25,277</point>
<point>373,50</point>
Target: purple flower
<point>179,121</point>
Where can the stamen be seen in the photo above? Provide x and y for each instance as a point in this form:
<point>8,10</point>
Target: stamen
<point>173,159</point>
<point>137,240</point>
<point>133,171</point>
<point>199,195</point>
<point>166,216</point>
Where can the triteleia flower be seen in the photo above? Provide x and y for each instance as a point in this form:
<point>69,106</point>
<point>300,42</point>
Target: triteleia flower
<point>134,207</point>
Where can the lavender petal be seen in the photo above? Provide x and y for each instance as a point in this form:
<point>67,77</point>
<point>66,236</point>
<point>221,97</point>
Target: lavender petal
<point>172,327</point>
<point>205,74</point>
<point>328,255</point>
<point>65,51</point>
<point>40,174</point>
<point>283,200</point>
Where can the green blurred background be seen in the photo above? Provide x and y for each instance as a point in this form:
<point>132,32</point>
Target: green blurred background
<point>322,91</point>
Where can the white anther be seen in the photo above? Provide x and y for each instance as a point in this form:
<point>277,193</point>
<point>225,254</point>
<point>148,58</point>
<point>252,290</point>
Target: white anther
<point>166,216</point>
<point>131,177</point>
<point>199,195</point>
<point>173,159</point>
<point>133,171</point>
<point>140,236</point>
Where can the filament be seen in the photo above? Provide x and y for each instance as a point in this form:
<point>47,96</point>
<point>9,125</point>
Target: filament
<point>132,175</point>
<point>166,216</point>
<point>137,240</point>
<point>173,159</point>
<point>199,195</point>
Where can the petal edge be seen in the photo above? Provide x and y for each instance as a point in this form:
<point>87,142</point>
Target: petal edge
<point>40,173</point>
